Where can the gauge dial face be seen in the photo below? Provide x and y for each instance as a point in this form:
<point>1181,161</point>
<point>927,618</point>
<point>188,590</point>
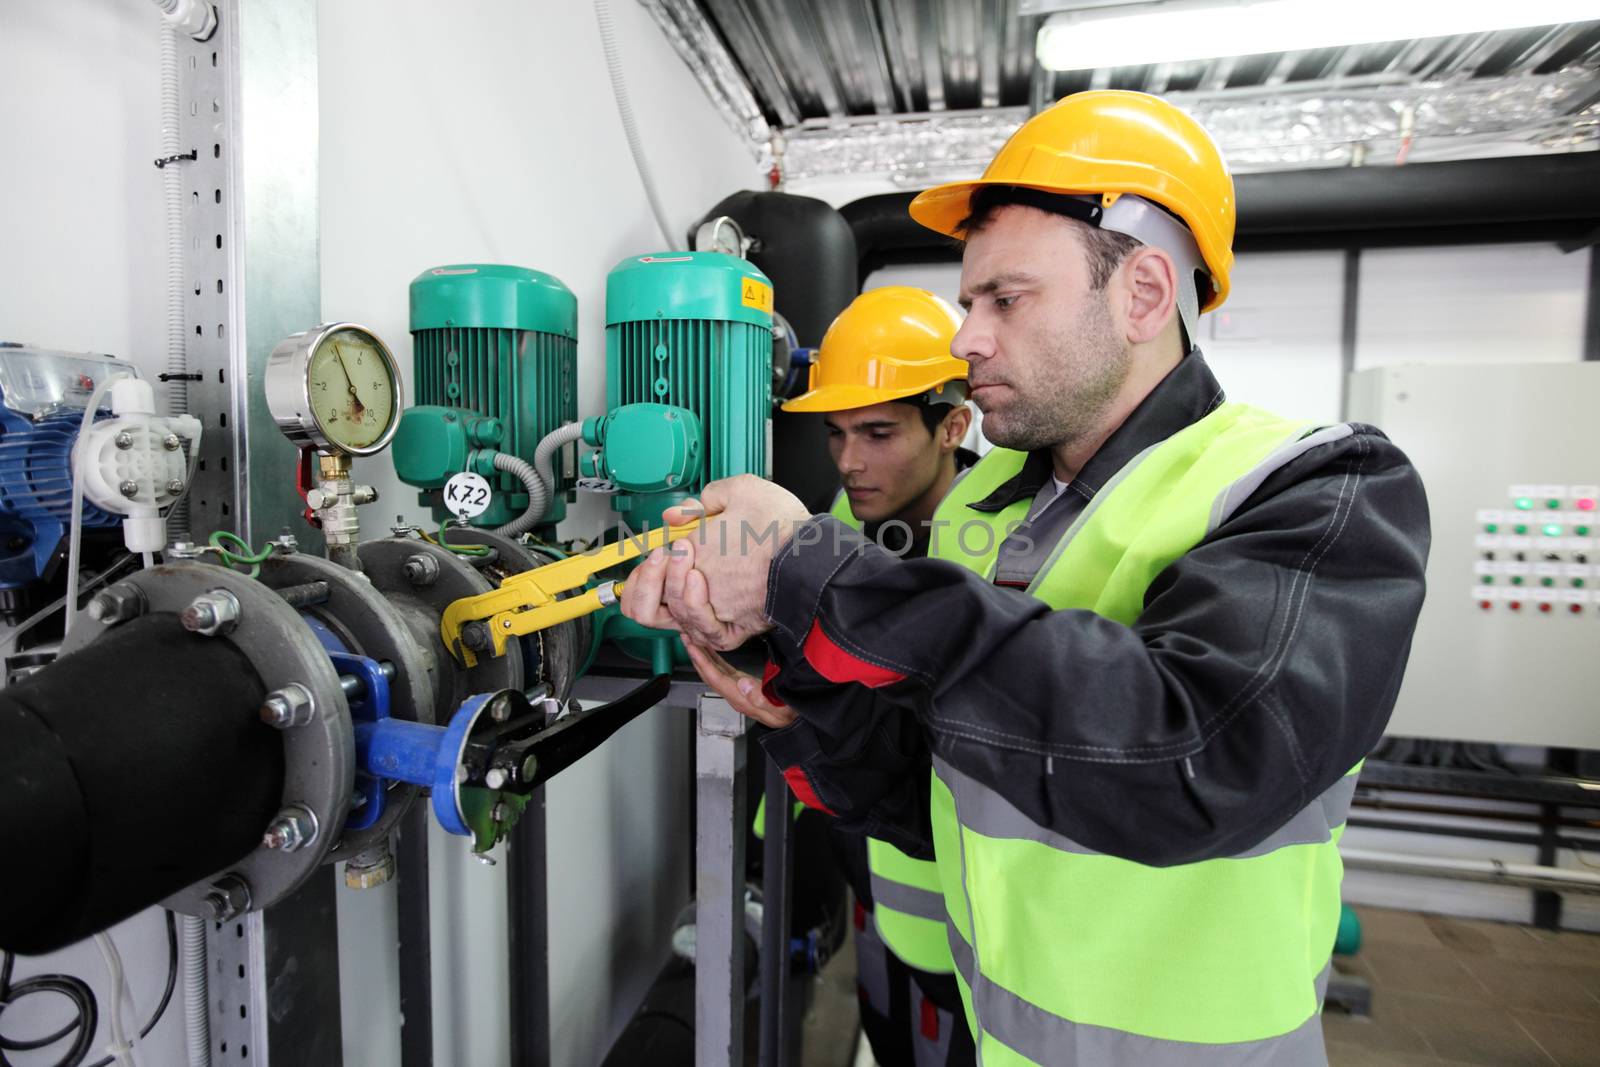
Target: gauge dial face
<point>350,385</point>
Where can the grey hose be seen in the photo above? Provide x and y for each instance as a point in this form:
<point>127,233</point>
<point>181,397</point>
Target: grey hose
<point>196,1016</point>
<point>532,476</point>
<point>630,128</point>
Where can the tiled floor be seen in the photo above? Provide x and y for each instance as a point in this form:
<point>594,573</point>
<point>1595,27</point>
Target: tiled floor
<point>1459,991</point>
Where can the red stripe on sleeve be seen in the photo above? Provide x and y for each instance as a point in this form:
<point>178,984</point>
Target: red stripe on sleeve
<point>837,665</point>
<point>796,777</point>
<point>768,674</point>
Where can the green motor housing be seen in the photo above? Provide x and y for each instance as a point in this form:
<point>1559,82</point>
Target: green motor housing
<point>693,330</point>
<point>502,342</point>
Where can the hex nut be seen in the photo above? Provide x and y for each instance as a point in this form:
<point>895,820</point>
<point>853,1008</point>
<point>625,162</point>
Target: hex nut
<point>292,828</point>
<point>228,896</point>
<point>370,875</point>
<point>289,706</point>
<point>475,636</point>
<point>119,603</point>
<point>421,570</point>
<point>211,614</point>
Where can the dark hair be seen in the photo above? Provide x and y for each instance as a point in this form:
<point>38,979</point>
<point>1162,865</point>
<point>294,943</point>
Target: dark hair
<point>1106,249</point>
<point>932,414</point>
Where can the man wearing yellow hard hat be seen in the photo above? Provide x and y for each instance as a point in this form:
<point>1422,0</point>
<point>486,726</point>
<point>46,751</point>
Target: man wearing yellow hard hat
<point>1155,636</point>
<point>894,403</point>
<point>895,408</point>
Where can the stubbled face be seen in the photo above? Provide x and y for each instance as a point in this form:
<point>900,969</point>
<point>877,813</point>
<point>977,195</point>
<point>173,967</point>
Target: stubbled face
<point>887,459</point>
<point>1046,357</point>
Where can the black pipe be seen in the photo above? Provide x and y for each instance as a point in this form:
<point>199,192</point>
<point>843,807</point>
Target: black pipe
<point>125,777</point>
<point>1478,201</point>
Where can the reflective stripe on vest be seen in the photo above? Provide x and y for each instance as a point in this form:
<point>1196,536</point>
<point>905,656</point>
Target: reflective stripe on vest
<point>908,907</point>
<point>1067,955</point>
<point>907,897</point>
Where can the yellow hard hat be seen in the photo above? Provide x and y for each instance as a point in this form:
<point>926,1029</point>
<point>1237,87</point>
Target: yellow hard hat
<point>889,344</point>
<point>1109,143</point>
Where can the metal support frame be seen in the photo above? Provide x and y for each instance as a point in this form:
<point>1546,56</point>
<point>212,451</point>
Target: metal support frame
<point>250,229</point>
<point>720,827</point>
<point>777,859</point>
<point>251,234</point>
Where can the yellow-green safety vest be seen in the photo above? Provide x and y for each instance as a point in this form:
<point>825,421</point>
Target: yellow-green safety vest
<point>1065,955</point>
<point>907,898</point>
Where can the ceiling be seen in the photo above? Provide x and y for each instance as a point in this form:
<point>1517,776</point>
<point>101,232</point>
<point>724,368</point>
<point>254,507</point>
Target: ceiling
<point>928,89</point>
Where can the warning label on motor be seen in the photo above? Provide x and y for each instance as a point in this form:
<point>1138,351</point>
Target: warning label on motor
<point>756,295</point>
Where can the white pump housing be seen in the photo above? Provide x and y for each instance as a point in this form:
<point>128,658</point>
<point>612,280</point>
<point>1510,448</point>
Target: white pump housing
<point>133,463</point>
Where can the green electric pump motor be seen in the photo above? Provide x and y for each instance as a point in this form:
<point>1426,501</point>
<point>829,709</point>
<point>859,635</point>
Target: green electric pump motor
<point>495,358</point>
<point>693,330</point>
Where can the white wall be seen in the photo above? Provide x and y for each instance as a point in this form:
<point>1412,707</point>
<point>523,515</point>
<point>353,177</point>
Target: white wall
<point>483,132</point>
<point>81,218</point>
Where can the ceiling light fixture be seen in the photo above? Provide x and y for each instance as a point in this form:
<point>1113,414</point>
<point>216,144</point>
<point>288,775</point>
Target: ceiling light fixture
<point>1179,30</point>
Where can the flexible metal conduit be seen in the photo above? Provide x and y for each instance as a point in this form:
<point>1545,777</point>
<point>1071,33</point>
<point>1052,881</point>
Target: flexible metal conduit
<point>196,1016</point>
<point>630,129</point>
<point>1521,875</point>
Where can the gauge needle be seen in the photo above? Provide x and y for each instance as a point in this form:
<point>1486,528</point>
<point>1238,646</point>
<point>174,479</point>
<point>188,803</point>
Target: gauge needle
<point>348,380</point>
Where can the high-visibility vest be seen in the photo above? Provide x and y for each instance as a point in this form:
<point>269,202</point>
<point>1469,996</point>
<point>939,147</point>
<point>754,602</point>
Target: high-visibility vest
<point>1065,955</point>
<point>907,898</point>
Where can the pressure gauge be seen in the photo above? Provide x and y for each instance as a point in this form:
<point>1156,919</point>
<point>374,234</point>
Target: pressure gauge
<point>335,388</point>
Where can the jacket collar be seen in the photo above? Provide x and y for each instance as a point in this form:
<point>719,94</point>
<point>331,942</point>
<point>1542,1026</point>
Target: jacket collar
<point>1185,396</point>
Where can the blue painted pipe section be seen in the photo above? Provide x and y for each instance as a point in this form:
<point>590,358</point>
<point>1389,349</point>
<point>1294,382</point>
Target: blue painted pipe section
<point>394,748</point>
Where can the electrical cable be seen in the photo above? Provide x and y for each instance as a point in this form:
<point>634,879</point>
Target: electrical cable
<point>9,639</point>
<point>119,1048</point>
<point>460,550</point>
<point>75,539</point>
<point>87,1018</point>
<point>243,556</point>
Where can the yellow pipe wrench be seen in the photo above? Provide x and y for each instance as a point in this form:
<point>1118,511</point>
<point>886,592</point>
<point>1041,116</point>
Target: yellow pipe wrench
<point>528,602</point>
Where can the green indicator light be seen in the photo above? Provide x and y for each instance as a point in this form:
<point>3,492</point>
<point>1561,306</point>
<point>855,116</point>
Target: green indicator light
<point>1491,527</point>
<point>1516,579</point>
<point>1552,529</point>
<point>1547,582</point>
<point>1552,503</point>
<point>1524,503</point>
<point>1488,579</point>
<point>1577,583</point>
<point>1581,531</point>
<point>1521,528</point>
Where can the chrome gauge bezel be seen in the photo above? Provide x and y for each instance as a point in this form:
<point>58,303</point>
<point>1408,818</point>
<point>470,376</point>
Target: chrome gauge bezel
<point>288,390</point>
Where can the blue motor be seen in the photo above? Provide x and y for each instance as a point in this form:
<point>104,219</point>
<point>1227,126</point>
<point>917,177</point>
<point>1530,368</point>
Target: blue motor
<point>42,397</point>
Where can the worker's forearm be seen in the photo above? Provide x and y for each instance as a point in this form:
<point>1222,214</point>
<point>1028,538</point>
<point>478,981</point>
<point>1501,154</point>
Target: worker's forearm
<point>1264,666</point>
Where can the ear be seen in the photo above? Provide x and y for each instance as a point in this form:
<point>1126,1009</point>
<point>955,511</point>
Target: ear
<point>1152,293</point>
<point>953,430</point>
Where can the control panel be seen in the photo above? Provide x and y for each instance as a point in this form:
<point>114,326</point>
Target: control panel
<point>1507,648</point>
<point>1536,554</point>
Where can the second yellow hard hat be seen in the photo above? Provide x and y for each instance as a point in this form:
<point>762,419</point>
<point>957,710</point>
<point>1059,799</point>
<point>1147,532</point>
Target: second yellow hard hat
<point>889,344</point>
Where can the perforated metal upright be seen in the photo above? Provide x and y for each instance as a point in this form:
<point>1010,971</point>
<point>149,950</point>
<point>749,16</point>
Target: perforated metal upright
<point>248,106</point>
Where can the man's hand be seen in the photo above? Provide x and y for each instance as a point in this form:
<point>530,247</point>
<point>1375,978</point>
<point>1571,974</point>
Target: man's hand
<point>713,585</point>
<point>742,691</point>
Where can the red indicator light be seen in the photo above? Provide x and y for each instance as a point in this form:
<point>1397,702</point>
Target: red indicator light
<point>1545,608</point>
<point>1516,605</point>
<point>1586,503</point>
<point>1488,604</point>
<point>1576,609</point>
